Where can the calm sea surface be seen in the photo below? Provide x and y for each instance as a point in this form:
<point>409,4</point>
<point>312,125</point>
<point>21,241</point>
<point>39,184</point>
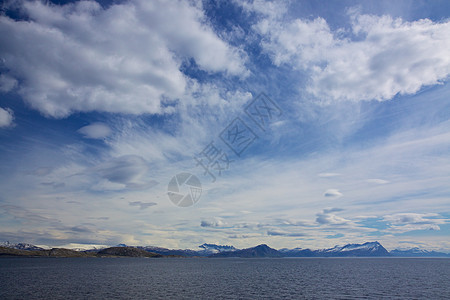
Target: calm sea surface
<point>227,278</point>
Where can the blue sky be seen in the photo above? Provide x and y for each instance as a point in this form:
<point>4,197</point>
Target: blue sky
<point>101,104</point>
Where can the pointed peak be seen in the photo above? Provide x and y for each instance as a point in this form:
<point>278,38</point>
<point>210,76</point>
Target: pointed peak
<point>372,243</point>
<point>262,246</point>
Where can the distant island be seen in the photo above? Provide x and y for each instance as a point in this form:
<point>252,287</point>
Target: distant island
<point>369,249</point>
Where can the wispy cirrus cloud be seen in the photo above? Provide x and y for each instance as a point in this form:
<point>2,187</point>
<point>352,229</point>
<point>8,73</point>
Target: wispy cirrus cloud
<point>276,232</point>
<point>377,181</point>
<point>327,175</point>
<point>142,205</point>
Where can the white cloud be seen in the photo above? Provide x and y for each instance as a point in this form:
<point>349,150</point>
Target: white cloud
<point>202,117</point>
<point>326,217</point>
<point>212,223</point>
<point>384,56</point>
<point>106,185</point>
<point>123,170</point>
<point>142,205</point>
<point>332,193</point>
<point>377,181</point>
<point>7,83</point>
<point>270,9</point>
<point>123,59</point>
<point>276,232</point>
<point>404,222</point>
<point>6,117</point>
<point>408,218</point>
<point>42,171</point>
<point>326,175</point>
<point>95,131</point>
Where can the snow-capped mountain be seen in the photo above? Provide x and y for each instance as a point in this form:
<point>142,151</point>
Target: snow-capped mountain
<point>20,246</point>
<point>360,250</point>
<point>258,251</point>
<point>369,249</point>
<point>366,249</point>
<point>416,252</point>
<point>176,252</point>
<point>206,250</point>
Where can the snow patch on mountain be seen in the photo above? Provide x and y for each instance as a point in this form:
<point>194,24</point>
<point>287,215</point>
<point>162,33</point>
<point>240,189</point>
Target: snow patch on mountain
<point>369,246</point>
<point>213,248</point>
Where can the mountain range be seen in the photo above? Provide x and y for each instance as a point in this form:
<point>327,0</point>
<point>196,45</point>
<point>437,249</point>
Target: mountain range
<point>416,252</point>
<point>369,249</point>
<point>357,250</point>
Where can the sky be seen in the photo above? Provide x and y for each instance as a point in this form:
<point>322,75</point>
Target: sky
<point>298,124</point>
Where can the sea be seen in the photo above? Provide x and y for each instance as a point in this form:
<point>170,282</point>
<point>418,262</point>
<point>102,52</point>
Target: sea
<point>224,278</point>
